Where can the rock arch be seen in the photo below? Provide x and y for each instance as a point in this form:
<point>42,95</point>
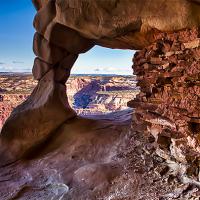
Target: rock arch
<point>66,28</point>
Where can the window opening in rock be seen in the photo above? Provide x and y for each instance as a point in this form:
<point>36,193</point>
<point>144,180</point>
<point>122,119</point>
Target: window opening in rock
<point>102,81</point>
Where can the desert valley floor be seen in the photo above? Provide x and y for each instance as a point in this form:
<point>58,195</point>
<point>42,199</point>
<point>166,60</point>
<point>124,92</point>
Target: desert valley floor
<point>87,94</point>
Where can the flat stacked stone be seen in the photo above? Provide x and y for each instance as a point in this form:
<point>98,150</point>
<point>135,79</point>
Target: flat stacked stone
<point>168,106</point>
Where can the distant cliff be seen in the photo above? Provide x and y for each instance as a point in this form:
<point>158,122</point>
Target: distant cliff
<point>86,94</point>
<point>100,94</point>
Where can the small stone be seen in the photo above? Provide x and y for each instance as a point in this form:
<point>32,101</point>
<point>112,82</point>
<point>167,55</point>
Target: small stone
<point>170,53</point>
<point>193,44</point>
<point>166,47</point>
<point>178,148</point>
<point>163,154</point>
<point>195,120</point>
<point>178,52</point>
<point>156,60</point>
<point>166,65</point>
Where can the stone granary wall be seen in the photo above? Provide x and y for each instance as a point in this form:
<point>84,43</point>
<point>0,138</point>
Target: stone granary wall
<point>168,106</point>
<point>167,68</point>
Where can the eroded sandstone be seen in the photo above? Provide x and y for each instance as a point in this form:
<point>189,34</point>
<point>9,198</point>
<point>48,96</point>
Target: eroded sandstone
<point>121,23</point>
<point>167,107</point>
<point>40,120</point>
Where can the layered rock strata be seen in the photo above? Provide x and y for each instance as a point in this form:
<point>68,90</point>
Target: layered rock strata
<point>168,106</point>
<point>86,94</point>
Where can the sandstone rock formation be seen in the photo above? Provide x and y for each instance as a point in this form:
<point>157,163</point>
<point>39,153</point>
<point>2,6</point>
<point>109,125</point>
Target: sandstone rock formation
<point>101,94</point>
<point>116,23</point>
<point>168,105</point>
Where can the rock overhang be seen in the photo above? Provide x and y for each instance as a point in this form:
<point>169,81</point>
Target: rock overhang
<point>166,32</point>
<point>122,24</point>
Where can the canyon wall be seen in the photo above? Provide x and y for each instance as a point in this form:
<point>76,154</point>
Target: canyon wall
<point>103,94</point>
<point>86,94</point>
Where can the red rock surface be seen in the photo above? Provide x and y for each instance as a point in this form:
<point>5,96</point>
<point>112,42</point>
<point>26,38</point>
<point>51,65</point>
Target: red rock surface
<point>169,102</point>
<point>47,151</point>
<point>97,95</point>
<point>122,24</point>
<point>102,94</point>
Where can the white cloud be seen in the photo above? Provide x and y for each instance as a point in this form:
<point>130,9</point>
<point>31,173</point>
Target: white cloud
<point>113,70</point>
<point>13,67</point>
<point>17,62</point>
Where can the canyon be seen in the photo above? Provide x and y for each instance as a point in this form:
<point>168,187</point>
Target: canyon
<point>48,151</point>
<point>87,94</point>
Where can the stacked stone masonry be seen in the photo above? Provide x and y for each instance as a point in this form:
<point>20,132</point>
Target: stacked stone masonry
<point>168,106</point>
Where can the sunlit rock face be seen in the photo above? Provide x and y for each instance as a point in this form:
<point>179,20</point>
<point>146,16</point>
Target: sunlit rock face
<point>100,94</point>
<point>87,94</point>
<point>167,67</point>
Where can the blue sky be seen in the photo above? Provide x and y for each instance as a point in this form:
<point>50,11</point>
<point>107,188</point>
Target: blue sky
<point>16,35</point>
